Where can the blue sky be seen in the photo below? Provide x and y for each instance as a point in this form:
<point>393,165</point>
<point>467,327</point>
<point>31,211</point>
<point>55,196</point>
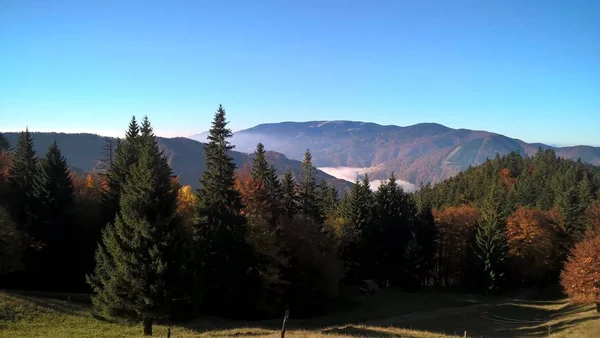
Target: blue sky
<point>527,69</point>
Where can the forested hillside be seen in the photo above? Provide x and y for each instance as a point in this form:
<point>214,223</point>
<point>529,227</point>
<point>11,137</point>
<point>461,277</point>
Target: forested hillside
<point>249,243</point>
<point>420,153</point>
<point>84,152</point>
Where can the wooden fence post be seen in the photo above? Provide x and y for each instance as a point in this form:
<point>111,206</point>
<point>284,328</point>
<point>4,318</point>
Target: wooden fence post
<point>285,318</point>
<point>169,333</point>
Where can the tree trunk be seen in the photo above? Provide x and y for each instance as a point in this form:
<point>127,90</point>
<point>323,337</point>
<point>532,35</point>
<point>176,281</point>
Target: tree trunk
<point>598,307</point>
<point>147,327</point>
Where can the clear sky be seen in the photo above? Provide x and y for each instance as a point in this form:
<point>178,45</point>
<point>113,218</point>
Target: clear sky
<point>524,68</point>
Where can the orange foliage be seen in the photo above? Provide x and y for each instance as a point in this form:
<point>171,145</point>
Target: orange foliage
<point>86,187</point>
<point>186,205</point>
<point>581,275</point>
<point>506,178</point>
<point>253,196</point>
<point>530,239</point>
<point>456,227</point>
<point>5,164</point>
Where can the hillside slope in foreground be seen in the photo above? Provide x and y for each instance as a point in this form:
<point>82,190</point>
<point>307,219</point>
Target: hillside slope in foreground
<point>387,314</point>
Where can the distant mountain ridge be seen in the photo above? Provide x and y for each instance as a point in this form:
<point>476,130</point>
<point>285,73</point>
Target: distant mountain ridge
<point>420,153</point>
<point>186,156</point>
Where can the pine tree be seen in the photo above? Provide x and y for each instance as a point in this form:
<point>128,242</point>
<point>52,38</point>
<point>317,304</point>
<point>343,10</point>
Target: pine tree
<point>289,201</point>
<point>4,144</point>
<point>135,262</point>
<point>307,191</point>
<point>53,207</point>
<point>490,242</point>
<point>21,176</point>
<point>126,155</point>
<point>358,233</point>
<point>572,212</point>
<point>222,257</point>
<point>266,174</point>
<point>395,214</point>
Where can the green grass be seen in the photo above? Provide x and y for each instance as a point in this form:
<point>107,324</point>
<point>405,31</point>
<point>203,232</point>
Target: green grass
<point>387,314</point>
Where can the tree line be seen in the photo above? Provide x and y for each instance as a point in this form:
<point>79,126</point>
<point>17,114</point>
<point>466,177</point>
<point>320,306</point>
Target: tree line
<point>249,242</point>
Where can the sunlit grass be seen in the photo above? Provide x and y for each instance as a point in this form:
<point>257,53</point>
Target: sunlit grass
<point>389,314</point>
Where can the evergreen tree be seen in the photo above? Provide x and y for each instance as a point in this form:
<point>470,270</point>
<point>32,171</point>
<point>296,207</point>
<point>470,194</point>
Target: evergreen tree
<point>21,176</point>
<point>289,201</point>
<point>412,265</point>
<point>395,213</point>
<point>223,258</point>
<point>307,191</point>
<point>266,174</point>
<point>53,208</point>
<point>358,233</point>
<point>572,212</point>
<point>135,261</point>
<point>490,242</point>
<point>4,144</point>
<point>126,155</point>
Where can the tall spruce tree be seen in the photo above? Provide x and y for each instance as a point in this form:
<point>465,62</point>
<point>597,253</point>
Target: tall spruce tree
<point>21,176</point>
<point>52,226</point>
<point>395,212</point>
<point>135,262</point>
<point>490,243</point>
<point>223,258</point>
<point>4,144</point>
<point>126,155</point>
<point>358,233</point>
<point>307,191</point>
<point>289,198</point>
<point>264,172</point>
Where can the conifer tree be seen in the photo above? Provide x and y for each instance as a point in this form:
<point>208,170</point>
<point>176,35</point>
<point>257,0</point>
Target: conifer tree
<point>572,212</point>
<point>395,214</point>
<point>358,233</point>
<point>53,207</point>
<point>21,176</point>
<point>289,201</point>
<point>490,242</point>
<point>223,257</point>
<point>307,191</point>
<point>135,262</point>
<point>126,154</point>
<point>266,174</point>
<point>4,144</point>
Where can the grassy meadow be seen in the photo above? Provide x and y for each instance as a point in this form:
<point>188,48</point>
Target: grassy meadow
<point>386,314</point>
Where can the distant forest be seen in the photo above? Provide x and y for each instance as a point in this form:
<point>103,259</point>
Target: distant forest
<point>249,243</point>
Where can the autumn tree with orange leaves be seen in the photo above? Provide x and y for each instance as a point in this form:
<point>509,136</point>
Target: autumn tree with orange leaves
<point>580,277</point>
<point>186,204</point>
<point>530,239</point>
<point>456,228</point>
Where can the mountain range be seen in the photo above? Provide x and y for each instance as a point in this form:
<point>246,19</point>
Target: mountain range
<point>186,156</point>
<point>420,153</point>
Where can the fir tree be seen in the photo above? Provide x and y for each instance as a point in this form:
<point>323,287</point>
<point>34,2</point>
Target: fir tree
<point>135,262</point>
<point>126,155</point>
<point>358,233</point>
<point>395,214</point>
<point>266,173</point>
<point>21,176</point>
<point>53,207</point>
<point>307,191</point>
<point>4,144</point>
<point>289,201</point>
<point>490,243</point>
<point>223,258</point>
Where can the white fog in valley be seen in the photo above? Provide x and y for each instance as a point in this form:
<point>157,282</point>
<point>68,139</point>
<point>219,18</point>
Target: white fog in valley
<point>350,174</point>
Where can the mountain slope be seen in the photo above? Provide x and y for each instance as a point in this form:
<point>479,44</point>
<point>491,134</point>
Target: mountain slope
<point>186,156</point>
<point>426,152</point>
